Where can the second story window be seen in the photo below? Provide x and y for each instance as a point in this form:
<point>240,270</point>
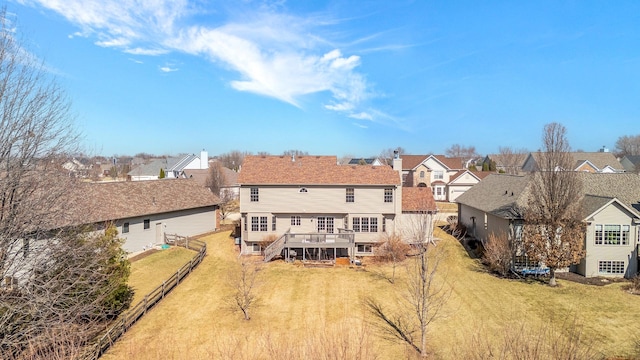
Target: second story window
<point>350,195</point>
<point>421,174</point>
<point>438,175</point>
<point>254,194</point>
<point>388,195</point>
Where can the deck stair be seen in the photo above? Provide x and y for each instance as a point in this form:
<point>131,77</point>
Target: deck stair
<point>275,248</point>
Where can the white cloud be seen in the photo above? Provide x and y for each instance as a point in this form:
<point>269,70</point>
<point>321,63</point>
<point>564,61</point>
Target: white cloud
<point>143,51</point>
<point>275,55</point>
<point>168,69</point>
<point>136,61</point>
<point>361,116</point>
<point>361,126</point>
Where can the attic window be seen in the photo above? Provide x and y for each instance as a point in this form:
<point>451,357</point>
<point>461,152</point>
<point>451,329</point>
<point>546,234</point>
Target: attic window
<point>303,190</point>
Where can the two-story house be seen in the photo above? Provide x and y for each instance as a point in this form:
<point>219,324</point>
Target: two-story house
<point>434,171</point>
<point>315,207</point>
<point>610,210</point>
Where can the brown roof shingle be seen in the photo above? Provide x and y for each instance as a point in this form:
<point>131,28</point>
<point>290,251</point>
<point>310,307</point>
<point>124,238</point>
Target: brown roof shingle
<point>418,199</point>
<point>104,201</point>
<point>311,170</point>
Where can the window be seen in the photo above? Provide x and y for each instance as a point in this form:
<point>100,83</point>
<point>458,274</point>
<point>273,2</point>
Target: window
<point>611,267</point>
<point>273,223</point>
<point>364,248</point>
<point>254,194</point>
<point>255,223</point>
<point>295,220</point>
<point>611,234</point>
<point>388,195</point>
<point>325,224</point>
<point>263,223</point>
<point>365,224</point>
<point>438,175</point>
<point>421,174</point>
<point>245,223</point>
<point>256,248</point>
<point>384,224</point>
<point>147,224</point>
<point>303,190</point>
<point>125,228</point>
<point>350,195</point>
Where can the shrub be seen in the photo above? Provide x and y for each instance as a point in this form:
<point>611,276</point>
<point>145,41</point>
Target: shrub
<point>498,254</point>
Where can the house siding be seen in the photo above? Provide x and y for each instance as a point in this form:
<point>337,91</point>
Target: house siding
<point>612,214</point>
<point>186,223</point>
<point>318,201</point>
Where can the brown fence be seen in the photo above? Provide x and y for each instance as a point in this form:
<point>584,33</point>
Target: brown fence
<point>129,318</point>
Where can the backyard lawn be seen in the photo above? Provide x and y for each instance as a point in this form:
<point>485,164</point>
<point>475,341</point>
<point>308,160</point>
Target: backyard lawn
<point>307,312</point>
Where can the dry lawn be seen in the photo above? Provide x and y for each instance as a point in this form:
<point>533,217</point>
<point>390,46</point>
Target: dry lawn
<point>310,312</point>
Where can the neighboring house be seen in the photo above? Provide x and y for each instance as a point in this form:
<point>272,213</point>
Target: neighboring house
<point>631,163</point>
<point>593,162</point>
<point>144,211</point>
<point>229,190</point>
<point>174,167</point>
<point>315,208</point>
<point>610,209</point>
<point>462,181</point>
<point>504,163</point>
<point>77,168</point>
<point>363,161</point>
<point>434,171</point>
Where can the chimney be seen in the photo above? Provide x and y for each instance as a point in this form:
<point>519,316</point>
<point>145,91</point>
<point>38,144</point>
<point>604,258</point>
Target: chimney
<point>204,159</point>
<point>604,149</point>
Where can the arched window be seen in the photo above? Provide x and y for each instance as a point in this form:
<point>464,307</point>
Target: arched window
<point>421,174</point>
<point>303,190</point>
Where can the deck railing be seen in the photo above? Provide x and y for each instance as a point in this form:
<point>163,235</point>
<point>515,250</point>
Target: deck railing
<point>274,249</point>
<point>126,320</point>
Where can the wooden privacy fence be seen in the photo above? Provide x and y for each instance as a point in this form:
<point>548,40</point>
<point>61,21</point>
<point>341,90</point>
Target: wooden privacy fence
<point>129,318</point>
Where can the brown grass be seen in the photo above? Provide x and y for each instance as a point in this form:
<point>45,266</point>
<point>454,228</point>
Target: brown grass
<point>298,306</point>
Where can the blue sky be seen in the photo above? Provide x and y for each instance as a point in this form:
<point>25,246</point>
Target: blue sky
<point>339,77</point>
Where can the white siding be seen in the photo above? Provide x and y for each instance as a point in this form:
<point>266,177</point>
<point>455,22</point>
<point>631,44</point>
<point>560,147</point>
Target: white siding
<point>186,223</point>
<point>613,214</point>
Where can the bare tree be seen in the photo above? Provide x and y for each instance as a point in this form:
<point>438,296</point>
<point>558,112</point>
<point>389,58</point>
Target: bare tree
<point>628,145</point>
<point>392,249</point>
<point>233,159</point>
<point>465,152</point>
<point>295,153</point>
<point>512,159</point>
<point>243,282</point>
<point>54,283</point>
<point>553,232</point>
<point>423,300</point>
<point>498,253</point>
<point>216,179</point>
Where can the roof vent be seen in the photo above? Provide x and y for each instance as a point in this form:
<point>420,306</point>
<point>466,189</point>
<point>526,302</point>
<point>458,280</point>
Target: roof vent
<point>293,158</point>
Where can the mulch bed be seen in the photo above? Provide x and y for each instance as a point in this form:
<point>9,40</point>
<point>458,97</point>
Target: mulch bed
<point>597,281</point>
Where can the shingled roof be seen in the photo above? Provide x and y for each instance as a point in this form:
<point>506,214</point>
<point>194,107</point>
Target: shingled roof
<point>312,170</point>
<point>501,194</point>
<point>497,194</point>
<point>418,199</point>
<point>598,159</point>
<point>104,201</point>
<point>410,162</point>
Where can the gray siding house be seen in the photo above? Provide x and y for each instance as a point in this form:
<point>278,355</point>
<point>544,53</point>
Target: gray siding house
<point>144,211</point>
<point>317,208</point>
<point>610,209</point>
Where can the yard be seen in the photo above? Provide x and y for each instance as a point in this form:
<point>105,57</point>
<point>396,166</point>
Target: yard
<point>305,312</point>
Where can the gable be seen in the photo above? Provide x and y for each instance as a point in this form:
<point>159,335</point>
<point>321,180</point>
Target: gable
<point>613,212</point>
